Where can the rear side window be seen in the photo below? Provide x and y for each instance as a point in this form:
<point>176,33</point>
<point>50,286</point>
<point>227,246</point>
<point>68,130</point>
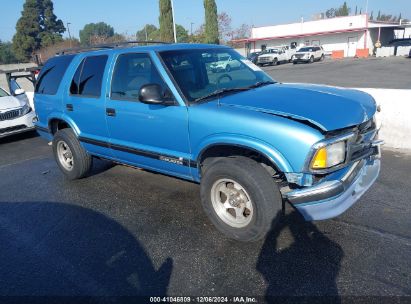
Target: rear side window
<point>51,74</point>
<point>87,80</point>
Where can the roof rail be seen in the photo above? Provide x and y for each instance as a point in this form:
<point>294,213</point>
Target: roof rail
<point>106,46</point>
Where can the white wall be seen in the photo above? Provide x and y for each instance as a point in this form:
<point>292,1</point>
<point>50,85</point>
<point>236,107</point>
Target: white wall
<point>394,116</point>
<point>311,27</point>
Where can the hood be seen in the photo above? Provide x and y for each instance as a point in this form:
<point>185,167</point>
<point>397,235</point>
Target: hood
<point>268,55</point>
<point>329,108</point>
<point>10,102</point>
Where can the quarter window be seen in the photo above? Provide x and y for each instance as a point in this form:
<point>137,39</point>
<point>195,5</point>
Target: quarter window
<point>132,71</point>
<point>87,80</point>
<point>52,73</point>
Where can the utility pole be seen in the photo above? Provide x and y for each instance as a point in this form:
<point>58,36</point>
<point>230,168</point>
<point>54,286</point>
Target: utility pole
<point>366,7</point>
<point>174,21</point>
<point>192,23</point>
<point>68,30</point>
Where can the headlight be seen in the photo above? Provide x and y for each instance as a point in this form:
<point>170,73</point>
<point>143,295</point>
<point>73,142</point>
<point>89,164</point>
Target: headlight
<point>25,109</point>
<point>329,156</point>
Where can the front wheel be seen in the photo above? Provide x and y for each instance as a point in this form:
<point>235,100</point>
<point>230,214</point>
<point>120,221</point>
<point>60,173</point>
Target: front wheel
<point>311,59</point>
<point>70,156</point>
<point>322,57</point>
<point>228,68</point>
<point>240,198</point>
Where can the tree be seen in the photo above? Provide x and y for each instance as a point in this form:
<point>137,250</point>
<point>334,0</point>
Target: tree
<point>26,40</point>
<point>356,10</point>
<point>343,10</point>
<point>224,27</point>
<point>6,53</point>
<point>51,27</point>
<point>93,30</point>
<point>148,32</point>
<point>38,26</point>
<point>182,34</point>
<point>372,16</point>
<point>166,21</point>
<point>379,16</point>
<point>244,31</point>
<point>211,22</point>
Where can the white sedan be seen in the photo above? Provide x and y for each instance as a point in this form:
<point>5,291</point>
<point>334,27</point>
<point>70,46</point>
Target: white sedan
<point>16,115</point>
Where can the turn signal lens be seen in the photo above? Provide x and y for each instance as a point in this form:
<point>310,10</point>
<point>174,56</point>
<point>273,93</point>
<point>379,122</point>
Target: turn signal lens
<point>320,159</point>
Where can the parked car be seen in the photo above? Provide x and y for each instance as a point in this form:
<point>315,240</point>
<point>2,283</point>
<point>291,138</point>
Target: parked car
<point>253,57</point>
<point>16,116</point>
<point>224,63</point>
<point>20,93</point>
<point>309,54</point>
<point>252,143</point>
<point>272,56</point>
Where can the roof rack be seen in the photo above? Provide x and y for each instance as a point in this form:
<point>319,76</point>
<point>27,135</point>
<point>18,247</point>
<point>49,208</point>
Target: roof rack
<point>106,46</point>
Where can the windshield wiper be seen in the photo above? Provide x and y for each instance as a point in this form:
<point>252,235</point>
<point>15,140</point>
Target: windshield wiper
<point>220,92</point>
<point>260,84</point>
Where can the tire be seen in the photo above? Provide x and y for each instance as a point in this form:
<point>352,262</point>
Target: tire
<point>294,62</point>
<point>263,198</point>
<point>228,68</point>
<point>81,161</point>
<point>322,57</point>
<point>275,61</point>
<point>311,59</point>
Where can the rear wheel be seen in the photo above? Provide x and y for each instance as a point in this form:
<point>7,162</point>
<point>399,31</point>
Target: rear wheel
<point>70,156</point>
<point>240,198</point>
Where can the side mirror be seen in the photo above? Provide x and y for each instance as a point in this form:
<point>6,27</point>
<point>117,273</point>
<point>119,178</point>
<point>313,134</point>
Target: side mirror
<point>153,94</point>
<point>19,92</point>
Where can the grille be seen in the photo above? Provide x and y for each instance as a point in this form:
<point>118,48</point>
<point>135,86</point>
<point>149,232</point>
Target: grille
<point>362,147</point>
<point>264,59</point>
<point>12,129</point>
<point>299,56</point>
<point>9,115</point>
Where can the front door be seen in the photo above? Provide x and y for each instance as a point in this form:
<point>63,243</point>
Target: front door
<point>352,46</point>
<point>146,135</point>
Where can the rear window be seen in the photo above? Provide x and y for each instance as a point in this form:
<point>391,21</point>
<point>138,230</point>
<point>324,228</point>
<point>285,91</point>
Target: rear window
<point>87,80</point>
<point>52,73</point>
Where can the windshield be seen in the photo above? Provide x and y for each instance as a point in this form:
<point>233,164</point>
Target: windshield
<point>271,51</point>
<point>306,49</point>
<point>3,93</point>
<point>200,73</point>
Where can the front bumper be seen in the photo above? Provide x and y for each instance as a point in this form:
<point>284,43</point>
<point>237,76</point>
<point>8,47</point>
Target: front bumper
<point>301,60</point>
<point>18,125</point>
<point>332,197</point>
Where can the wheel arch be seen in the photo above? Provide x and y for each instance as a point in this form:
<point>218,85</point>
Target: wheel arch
<point>57,122</point>
<point>269,155</point>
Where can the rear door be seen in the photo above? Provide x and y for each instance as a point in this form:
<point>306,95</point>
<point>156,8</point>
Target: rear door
<point>84,104</point>
<point>146,135</point>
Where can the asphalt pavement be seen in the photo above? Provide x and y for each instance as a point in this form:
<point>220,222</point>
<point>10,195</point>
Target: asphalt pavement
<point>127,232</point>
<point>386,73</point>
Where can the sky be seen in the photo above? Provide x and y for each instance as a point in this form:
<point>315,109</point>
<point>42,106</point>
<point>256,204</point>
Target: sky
<point>128,16</point>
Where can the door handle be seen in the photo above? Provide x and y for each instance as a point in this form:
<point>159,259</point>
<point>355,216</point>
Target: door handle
<point>69,107</point>
<point>110,112</point>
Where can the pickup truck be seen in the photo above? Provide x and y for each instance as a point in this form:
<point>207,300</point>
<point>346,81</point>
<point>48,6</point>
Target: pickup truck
<point>253,144</point>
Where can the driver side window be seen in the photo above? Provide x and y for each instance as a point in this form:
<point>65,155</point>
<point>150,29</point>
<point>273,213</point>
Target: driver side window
<point>132,71</point>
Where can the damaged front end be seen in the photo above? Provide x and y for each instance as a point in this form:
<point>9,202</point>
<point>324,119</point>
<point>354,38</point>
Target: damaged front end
<point>322,191</point>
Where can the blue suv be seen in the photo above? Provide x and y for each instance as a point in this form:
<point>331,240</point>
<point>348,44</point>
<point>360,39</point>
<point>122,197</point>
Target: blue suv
<point>252,143</point>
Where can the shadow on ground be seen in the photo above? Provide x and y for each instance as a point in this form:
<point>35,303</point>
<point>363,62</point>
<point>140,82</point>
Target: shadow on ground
<point>307,265</point>
<point>58,249</point>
